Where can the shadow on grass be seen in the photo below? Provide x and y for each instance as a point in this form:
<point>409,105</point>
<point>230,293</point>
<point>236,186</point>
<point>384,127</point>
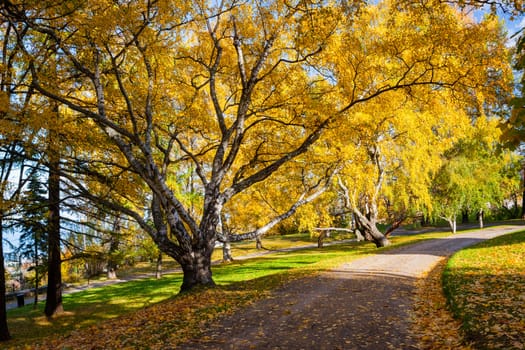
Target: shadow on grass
<point>490,307</point>
<point>484,286</point>
<point>90,307</point>
<point>93,306</point>
<point>256,275</point>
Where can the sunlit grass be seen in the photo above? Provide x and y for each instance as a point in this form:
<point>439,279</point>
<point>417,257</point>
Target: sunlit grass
<point>240,282</point>
<point>88,307</point>
<point>485,287</point>
<point>244,248</point>
<point>277,242</point>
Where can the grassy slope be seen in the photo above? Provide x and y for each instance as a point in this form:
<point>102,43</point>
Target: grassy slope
<point>485,287</point>
<point>160,315</point>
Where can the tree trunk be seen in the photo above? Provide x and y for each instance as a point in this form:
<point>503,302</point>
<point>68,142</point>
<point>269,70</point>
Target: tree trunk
<point>369,229</point>
<point>395,225</point>
<point>523,193</point>
<point>227,252</point>
<point>452,224</point>
<point>320,239</point>
<point>114,243</point>
<point>54,280</point>
<point>197,269</point>
<point>36,275</point>
<point>112,274</point>
<point>515,209</point>
<point>480,218</point>
<point>158,266</point>
<point>258,243</point>
<point>523,206</point>
<point>4,330</point>
<point>425,220</point>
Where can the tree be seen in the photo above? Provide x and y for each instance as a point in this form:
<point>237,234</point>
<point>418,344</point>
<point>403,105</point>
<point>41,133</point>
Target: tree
<point>12,182</point>
<point>471,176</point>
<point>512,184</point>
<point>13,153</point>
<point>393,155</point>
<point>114,243</point>
<point>6,165</point>
<point>393,144</point>
<point>514,127</point>
<point>239,92</point>
<point>33,238</point>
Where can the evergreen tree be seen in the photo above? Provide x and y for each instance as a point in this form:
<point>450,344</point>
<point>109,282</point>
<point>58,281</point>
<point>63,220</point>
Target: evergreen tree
<point>33,239</point>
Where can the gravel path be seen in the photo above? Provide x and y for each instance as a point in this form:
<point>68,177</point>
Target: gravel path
<point>364,304</point>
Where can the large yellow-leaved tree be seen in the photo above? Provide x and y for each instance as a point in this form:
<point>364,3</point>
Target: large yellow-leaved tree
<point>226,96</point>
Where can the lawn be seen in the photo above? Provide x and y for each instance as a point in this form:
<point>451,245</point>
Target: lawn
<point>245,248</point>
<point>485,288</point>
<point>148,313</point>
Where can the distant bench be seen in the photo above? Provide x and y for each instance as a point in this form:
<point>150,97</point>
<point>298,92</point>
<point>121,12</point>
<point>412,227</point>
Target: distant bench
<point>25,293</point>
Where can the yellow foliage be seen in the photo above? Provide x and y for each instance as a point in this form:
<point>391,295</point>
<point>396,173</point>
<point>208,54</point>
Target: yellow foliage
<point>203,91</point>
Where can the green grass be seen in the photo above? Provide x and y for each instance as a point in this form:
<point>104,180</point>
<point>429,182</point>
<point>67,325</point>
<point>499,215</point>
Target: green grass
<point>239,283</point>
<point>270,243</point>
<point>277,242</point>
<point>91,306</point>
<point>485,287</point>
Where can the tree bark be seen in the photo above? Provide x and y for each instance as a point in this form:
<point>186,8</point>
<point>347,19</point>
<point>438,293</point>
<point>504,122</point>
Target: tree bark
<point>158,266</point>
<point>452,224</point>
<point>258,243</point>
<point>359,235</point>
<point>225,240</point>
<point>4,330</point>
<point>54,280</point>
<point>320,239</point>
<point>196,268</point>
<point>395,225</point>
<point>523,206</point>
<point>480,218</point>
<point>113,247</point>
<point>227,252</point>
<point>523,193</point>
<point>369,229</point>
<point>515,209</point>
<point>36,275</point>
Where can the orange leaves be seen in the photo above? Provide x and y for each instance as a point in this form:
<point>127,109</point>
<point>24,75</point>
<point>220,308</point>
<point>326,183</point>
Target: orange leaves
<point>160,326</point>
<point>433,324</point>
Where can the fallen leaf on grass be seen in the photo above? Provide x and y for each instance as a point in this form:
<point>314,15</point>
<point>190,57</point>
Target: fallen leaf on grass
<point>161,326</point>
<point>432,324</point>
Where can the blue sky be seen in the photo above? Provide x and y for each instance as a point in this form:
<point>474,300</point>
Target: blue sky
<point>512,25</point>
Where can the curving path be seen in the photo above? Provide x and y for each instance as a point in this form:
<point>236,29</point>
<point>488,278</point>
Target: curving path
<point>364,304</point>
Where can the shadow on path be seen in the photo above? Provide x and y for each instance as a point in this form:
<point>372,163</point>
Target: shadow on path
<point>363,304</point>
<point>338,310</point>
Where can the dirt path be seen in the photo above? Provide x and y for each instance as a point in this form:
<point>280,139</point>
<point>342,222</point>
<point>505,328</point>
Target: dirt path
<point>364,304</point>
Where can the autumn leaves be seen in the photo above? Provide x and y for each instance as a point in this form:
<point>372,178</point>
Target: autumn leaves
<point>202,121</point>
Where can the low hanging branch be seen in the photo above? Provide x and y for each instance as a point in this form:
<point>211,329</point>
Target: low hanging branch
<point>395,225</point>
<point>320,188</point>
<point>333,229</point>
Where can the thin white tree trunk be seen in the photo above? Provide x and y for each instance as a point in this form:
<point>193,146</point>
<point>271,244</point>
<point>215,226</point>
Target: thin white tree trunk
<point>227,252</point>
<point>480,218</point>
